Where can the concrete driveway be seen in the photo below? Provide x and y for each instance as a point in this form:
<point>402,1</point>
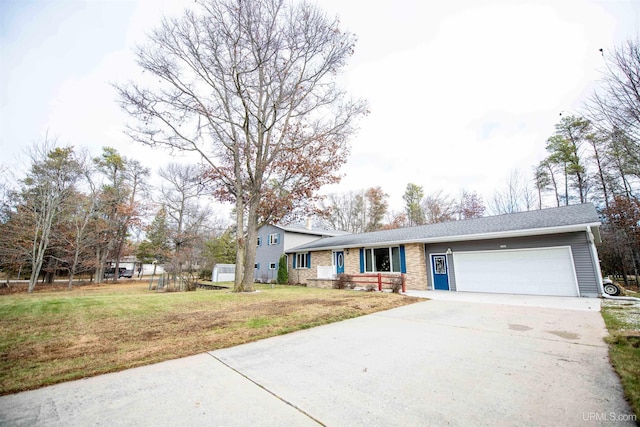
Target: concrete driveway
<point>438,362</point>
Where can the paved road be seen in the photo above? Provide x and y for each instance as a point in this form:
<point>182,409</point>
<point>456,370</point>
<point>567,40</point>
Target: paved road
<point>439,362</point>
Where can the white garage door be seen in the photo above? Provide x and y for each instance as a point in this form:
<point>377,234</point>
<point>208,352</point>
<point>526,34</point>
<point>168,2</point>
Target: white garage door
<point>547,271</point>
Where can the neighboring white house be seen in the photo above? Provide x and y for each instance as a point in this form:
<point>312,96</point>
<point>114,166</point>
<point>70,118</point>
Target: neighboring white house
<point>133,267</point>
<point>275,240</point>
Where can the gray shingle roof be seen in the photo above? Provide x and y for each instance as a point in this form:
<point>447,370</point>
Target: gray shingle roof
<point>538,222</point>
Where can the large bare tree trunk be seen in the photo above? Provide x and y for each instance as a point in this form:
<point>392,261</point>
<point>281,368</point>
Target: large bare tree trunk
<point>72,270</point>
<point>250,247</point>
<point>40,244</point>
<point>240,245</point>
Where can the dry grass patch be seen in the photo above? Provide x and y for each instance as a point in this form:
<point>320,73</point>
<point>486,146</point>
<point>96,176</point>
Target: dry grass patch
<point>623,321</point>
<point>54,336</point>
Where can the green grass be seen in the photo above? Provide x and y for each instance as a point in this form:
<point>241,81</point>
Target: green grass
<point>58,335</point>
<point>623,322</point>
<point>258,322</point>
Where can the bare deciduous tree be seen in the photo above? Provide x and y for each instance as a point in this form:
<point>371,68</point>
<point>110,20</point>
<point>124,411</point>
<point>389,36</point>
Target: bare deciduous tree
<point>470,205</point>
<point>50,182</point>
<point>617,102</point>
<point>249,85</point>
<point>395,220</point>
<point>516,196</point>
<point>545,179</point>
<point>438,207</point>
<point>356,211</point>
<point>345,211</point>
<point>599,142</point>
<point>376,208</point>
<point>5,191</point>
<point>79,215</point>
<point>623,164</point>
<point>181,191</point>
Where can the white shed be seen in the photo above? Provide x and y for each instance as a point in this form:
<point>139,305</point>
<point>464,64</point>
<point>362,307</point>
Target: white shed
<point>223,273</point>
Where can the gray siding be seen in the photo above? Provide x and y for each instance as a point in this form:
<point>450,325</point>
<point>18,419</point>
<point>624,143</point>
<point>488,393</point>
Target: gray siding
<point>452,273</point>
<point>582,259</point>
<point>266,254</point>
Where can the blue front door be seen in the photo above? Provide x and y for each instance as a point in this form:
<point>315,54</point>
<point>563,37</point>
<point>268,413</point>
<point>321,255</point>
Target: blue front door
<point>339,261</point>
<point>440,272</point>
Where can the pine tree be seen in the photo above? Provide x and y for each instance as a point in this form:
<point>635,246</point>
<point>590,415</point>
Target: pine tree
<point>283,273</point>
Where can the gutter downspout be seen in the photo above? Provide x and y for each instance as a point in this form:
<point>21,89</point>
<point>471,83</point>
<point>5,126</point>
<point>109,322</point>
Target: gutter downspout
<point>596,260</point>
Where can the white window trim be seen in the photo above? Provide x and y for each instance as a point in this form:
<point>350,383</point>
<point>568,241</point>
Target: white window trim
<point>299,256</point>
<point>274,239</point>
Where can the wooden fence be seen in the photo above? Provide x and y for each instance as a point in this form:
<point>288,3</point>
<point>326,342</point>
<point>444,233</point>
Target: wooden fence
<point>379,279</point>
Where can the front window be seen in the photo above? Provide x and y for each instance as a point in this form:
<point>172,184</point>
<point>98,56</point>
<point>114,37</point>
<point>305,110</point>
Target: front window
<point>302,260</point>
<point>382,259</point>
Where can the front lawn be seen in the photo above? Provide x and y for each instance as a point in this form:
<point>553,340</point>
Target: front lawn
<point>54,336</point>
<point>623,321</point>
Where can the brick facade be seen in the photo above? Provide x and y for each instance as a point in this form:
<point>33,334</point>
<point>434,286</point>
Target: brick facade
<point>352,261</point>
<point>414,256</point>
<point>302,275</point>
<point>416,266</point>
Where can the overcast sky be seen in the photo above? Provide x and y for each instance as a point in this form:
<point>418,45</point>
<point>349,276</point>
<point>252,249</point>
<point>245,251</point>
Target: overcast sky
<point>461,92</point>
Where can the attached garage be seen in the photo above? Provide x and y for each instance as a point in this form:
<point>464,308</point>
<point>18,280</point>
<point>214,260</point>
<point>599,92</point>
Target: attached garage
<point>540,271</point>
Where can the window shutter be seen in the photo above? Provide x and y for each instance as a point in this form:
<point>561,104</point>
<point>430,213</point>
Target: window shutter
<point>309,260</point>
<point>295,256</point>
<point>403,260</point>
<point>277,238</point>
<point>361,260</point>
